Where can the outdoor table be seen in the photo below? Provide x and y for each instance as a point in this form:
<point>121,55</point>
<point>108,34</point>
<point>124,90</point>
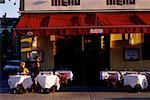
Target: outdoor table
<point>135,79</point>
<point>111,78</point>
<point>147,72</point>
<point>47,81</point>
<point>24,80</point>
<point>128,72</point>
<point>104,75</point>
<point>64,76</point>
<point>67,73</point>
<point>144,72</point>
<point>45,72</point>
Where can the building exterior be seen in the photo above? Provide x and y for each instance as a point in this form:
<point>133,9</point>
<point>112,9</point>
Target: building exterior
<point>6,41</point>
<point>88,36</point>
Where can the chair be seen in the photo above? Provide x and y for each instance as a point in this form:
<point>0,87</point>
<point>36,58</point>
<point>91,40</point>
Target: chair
<point>148,78</point>
<point>63,78</point>
<point>113,80</point>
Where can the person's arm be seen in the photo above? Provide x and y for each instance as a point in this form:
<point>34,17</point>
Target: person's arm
<point>26,71</point>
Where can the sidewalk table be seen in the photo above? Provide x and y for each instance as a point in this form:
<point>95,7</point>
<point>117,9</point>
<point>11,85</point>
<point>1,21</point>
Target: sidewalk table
<point>104,75</point>
<point>24,80</point>
<point>65,76</point>
<point>67,73</point>
<point>47,81</point>
<point>135,79</point>
<point>111,78</point>
<point>45,72</point>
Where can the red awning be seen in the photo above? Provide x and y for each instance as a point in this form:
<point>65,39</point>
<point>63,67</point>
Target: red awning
<point>81,23</point>
<point>125,22</point>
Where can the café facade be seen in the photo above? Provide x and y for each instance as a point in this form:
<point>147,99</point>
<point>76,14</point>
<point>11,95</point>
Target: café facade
<point>85,36</point>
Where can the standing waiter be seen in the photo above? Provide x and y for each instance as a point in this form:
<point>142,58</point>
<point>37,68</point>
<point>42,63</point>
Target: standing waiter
<point>36,66</point>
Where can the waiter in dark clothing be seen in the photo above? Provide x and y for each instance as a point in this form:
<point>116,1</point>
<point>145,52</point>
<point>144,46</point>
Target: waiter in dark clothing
<point>36,72</point>
<point>36,66</point>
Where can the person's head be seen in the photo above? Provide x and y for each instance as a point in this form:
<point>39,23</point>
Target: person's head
<point>37,58</point>
<point>22,64</point>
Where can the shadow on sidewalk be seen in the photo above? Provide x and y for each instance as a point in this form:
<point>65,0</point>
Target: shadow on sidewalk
<point>4,87</point>
<point>89,89</point>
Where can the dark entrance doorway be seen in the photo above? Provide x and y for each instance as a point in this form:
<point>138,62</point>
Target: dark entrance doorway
<point>82,55</point>
<point>91,59</point>
<point>68,55</point>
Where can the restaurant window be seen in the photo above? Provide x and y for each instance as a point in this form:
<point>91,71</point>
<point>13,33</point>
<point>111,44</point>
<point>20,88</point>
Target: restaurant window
<point>135,39</point>
<point>30,55</point>
<point>119,40</point>
<point>29,48</point>
<point>146,47</point>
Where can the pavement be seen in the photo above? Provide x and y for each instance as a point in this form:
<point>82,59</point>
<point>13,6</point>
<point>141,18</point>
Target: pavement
<point>4,86</point>
<point>3,82</point>
<point>74,93</point>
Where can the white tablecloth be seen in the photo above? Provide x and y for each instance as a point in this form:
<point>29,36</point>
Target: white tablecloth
<point>45,72</point>
<point>128,72</point>
<point>47,81</point>
<point>25,80</point>
<point>134,79</point>
<point>69,74</point>
<point>107,74</point>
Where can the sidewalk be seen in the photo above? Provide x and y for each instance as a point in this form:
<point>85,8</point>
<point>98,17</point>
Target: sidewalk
<point>3,83</point>
<point>4,86</point>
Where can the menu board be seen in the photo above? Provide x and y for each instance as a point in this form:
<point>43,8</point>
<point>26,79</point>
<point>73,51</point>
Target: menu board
<point>131,54</point>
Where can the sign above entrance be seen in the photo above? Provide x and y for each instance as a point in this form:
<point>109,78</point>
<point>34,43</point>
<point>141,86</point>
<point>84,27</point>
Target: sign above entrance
<point>96,31</point>
<point>86,5</point>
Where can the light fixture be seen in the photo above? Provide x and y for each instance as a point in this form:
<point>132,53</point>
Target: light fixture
<point>53,38</point>
<point>34,43</point>
<point>29,33</point>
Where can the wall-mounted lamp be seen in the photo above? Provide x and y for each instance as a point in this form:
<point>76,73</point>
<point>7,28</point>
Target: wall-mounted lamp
<point>29,33</point>
<point>131,42</point>
<point>53,38</point>
<point>34,43</point>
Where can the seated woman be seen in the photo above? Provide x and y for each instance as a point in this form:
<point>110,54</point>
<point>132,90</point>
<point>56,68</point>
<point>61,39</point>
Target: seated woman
<point>24,70</point>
